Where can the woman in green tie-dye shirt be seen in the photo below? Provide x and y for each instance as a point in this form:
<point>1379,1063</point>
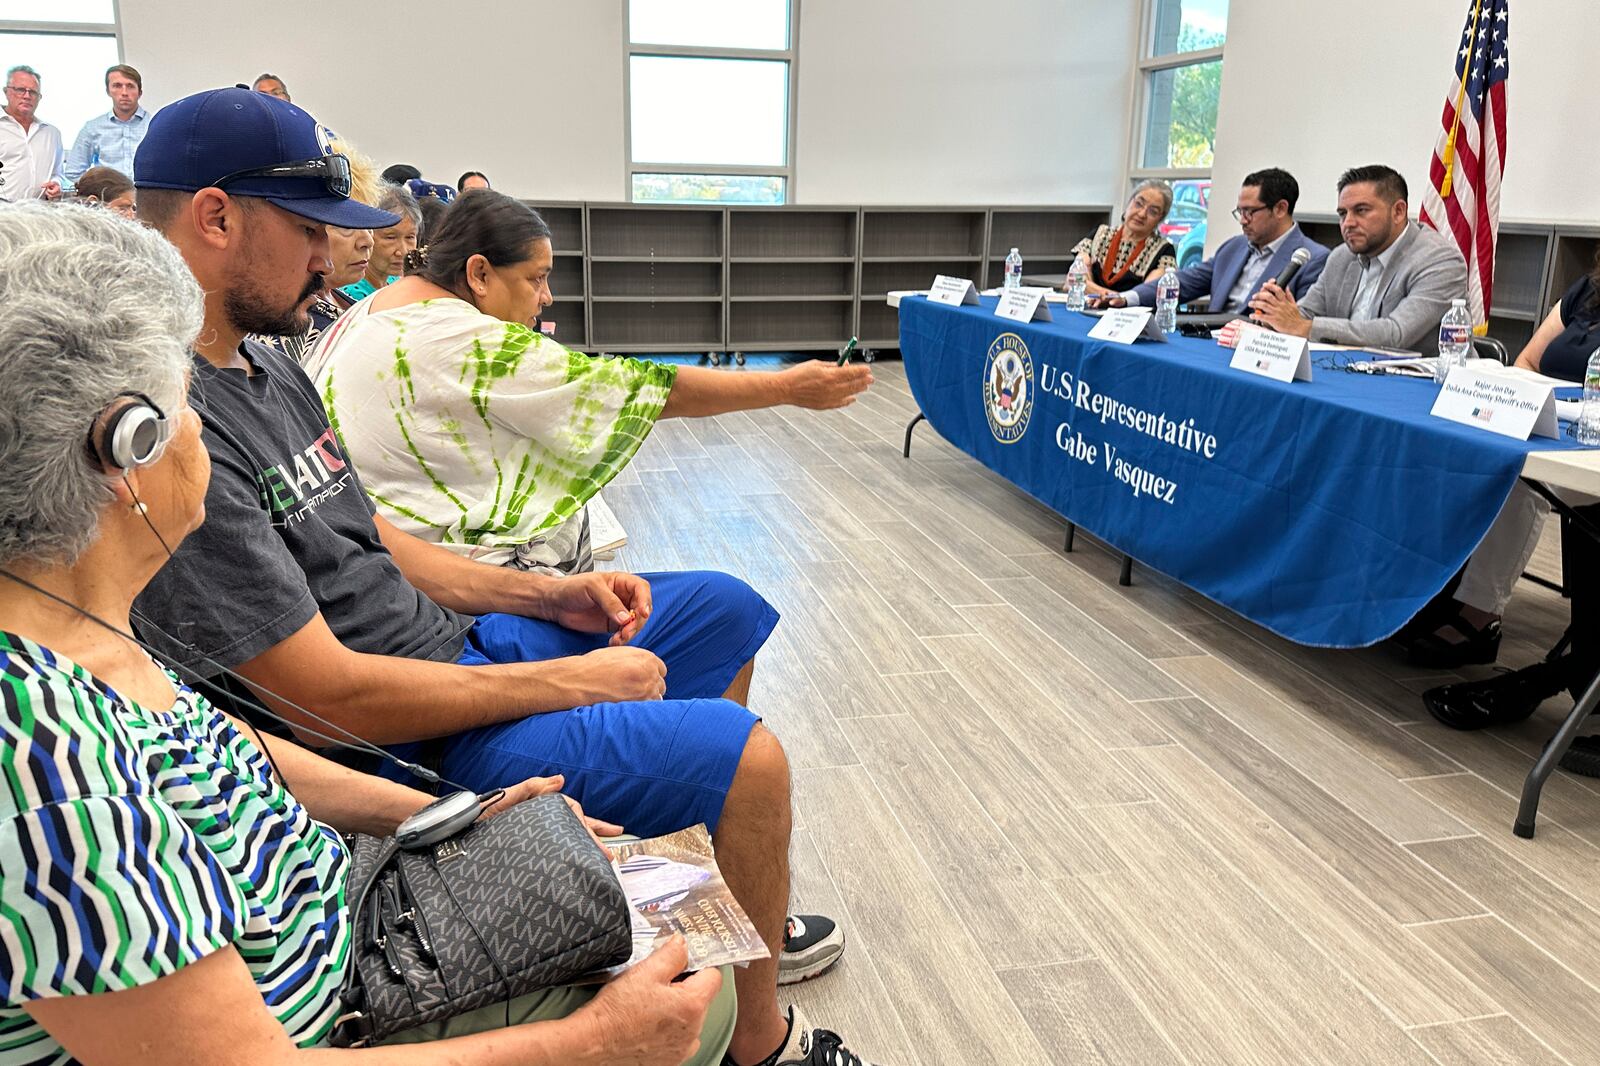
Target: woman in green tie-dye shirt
<point>473,430</point>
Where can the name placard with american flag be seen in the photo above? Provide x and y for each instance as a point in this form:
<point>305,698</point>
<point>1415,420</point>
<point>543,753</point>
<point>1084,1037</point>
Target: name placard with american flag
<point>1463,201</point>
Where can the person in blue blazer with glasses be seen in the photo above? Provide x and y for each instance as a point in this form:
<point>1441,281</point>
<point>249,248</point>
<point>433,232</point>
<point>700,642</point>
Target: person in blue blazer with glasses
<point>1228,280</point>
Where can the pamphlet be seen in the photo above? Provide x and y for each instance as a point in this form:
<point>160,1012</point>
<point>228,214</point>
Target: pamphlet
<point>674,886</point>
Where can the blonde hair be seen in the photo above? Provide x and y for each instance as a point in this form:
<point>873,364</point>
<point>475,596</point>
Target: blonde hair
<point>365,185</point>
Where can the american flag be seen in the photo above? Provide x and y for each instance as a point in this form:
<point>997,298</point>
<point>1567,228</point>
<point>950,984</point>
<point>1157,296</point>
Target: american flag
<point>1463,199</point>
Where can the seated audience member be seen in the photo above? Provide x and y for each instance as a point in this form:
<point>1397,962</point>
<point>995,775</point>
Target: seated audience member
<point>272,85</point>
<point>111,139</point>
<point>472,179</point>
<point>1386,286</point>
<point>400,173</point>
<point>1118,259</point>
<point>1561,348</point>
<point>1231,278</point>
<point>168,899</point>
<point>389,244</point>
<point>109,188</point>
<point>475,431</point>
<point>350,249</point>
<point>30,150</point>
<point>628,688</point>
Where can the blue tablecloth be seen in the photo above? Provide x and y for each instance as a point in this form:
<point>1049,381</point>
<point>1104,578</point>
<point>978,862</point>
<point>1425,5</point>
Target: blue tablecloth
<point>1329,511</point>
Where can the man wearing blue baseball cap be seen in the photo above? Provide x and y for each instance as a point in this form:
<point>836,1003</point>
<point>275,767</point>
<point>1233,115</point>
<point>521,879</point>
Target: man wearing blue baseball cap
<point>294,580</point>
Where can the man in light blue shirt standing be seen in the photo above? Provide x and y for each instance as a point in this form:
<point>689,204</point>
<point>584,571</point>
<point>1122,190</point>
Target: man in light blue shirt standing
<point>111,139</point>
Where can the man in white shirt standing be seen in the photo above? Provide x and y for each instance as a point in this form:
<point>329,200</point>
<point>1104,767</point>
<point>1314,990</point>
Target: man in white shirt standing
<point>30,150</point>
<point>110,140</point>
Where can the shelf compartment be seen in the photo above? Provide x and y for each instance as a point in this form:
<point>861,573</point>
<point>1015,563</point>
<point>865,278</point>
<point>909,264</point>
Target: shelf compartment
<point>773,233</point>
<point>655,232</point>
<point>921,233</point>
<point>792,298</point>
<point>1043,233</point>
<point>1047,265</point>
<point>778,277</point>
<point>913,274</point>
<point>669,326</point>
<point>788,324</point>
<point>880,324</point>
<point>1574,257</point>
<point>661,278</point>
<point>568,318</point>
<point>1519,271</point>
<point>566,226</point>
<point>755,259</point>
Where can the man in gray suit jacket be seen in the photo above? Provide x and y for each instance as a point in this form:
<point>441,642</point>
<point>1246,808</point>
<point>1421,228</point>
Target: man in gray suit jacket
<point>1386,286</point>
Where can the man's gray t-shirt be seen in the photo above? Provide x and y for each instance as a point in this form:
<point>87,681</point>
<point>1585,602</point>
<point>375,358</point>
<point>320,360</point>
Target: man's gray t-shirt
<point>288,531</point>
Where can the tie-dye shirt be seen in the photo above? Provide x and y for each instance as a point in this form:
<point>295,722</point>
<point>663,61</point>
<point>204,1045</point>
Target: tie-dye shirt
<point>475,433</point>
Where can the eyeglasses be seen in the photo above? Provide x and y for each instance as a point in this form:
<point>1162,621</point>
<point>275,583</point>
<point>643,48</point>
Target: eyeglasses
<point>1245,214</point>
<point>20,91</point>
<point>333,170</point>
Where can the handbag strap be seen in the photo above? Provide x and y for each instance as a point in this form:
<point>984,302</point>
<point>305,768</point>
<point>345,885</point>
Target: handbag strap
<point>352,995</point>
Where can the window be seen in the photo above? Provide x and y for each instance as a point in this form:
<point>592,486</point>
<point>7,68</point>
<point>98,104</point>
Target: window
<point>1175,114</point>
<point>711,100</point>
<point>70,43</point>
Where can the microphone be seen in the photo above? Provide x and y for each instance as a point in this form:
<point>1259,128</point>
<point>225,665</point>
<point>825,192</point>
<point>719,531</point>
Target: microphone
<point>1300,258</point>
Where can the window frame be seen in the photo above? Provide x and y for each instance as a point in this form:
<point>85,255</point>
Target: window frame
<point>49,28</point>
<point>790,56</point>
<point>1145,69</point>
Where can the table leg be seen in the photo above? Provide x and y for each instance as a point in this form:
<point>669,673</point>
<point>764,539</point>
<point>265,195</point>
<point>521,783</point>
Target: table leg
<point>1127,571</point>
<point>911,425</point>
<point>1557,746</point>
<point>1072,535</point>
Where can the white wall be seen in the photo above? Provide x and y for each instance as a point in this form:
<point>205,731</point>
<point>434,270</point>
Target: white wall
<point>1316,87</point>
<point>908,103</point>
<point>528,91</point>
<point>898,103</point>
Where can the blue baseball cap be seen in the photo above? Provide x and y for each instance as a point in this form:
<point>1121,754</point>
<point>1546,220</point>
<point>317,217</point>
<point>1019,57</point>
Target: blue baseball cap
<point>223,134</point>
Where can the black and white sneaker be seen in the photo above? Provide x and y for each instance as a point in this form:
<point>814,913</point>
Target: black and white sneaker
<point>805,1046</point>
<point>811,946</point>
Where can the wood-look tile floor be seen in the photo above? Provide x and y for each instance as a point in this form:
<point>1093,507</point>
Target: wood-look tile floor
<point>1067,822</point>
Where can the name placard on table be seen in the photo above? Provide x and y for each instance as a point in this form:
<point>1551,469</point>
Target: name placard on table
<point>1513,407</point>
<point>953,291</point>
<point>1024,305</point>
<point>1272,355</point>
<point>1124,325</point>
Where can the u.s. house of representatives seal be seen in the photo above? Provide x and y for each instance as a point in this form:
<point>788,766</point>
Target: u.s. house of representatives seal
<point>1008,388</point>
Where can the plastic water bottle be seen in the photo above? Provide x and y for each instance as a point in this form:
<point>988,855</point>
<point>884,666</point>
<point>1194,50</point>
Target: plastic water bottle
<point>1077,285</point>
<point>1588,427</point>
<point>1014,270</point>
<point>1455,340</point>
<point>1167,302</point>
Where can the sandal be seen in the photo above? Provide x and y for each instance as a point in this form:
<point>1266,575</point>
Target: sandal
<point>1497,701</point>
<point>1478,648</point>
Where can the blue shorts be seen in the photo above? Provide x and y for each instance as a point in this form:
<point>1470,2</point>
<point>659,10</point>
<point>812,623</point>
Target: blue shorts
<point>651,766</point>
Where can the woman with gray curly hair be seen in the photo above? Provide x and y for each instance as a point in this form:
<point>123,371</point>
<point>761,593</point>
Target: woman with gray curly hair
<point>166,898</point>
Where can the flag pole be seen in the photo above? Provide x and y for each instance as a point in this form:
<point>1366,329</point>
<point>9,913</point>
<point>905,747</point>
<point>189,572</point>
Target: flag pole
<point>1461,99</point>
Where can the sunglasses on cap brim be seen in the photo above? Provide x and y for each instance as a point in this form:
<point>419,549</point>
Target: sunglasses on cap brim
<point>332,170</point>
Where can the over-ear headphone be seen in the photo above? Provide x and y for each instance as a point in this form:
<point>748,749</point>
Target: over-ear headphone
<point>134,434</point>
